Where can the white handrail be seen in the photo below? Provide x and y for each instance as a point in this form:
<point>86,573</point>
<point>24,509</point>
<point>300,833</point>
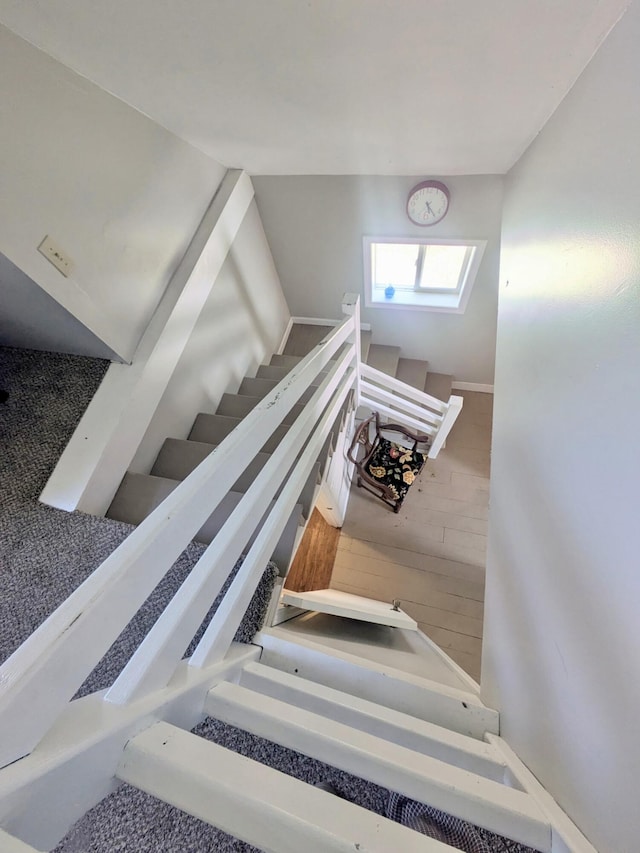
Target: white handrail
<point>62,652</point>
<point>408,406</point>
<point>155,660</point>
<point>41,676</point>
<point>221,630</point>
<point>420,397</point>
<point>369,390</point>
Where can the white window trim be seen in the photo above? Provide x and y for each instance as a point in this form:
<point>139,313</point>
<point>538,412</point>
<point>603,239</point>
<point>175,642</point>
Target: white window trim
<point>422,299</point>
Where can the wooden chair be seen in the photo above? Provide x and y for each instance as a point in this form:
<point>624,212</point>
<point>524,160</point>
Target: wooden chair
<point>387,469</point>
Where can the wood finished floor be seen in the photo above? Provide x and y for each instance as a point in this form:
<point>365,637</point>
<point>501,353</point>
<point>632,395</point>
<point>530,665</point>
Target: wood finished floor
<point>313,563</point>
<point>431,555</point>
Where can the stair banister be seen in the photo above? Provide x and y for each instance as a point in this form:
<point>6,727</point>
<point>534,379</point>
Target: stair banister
<point>154,662</point>
<point>351,308</point>
<point>424,400</point>
<point>60,654</point>
<point>220,632</point>
<point>455,406</point>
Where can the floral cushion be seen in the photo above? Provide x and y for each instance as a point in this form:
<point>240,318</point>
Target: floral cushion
<point>395,467</point>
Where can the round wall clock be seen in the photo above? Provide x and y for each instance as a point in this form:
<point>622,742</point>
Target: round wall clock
<point>428,203</point>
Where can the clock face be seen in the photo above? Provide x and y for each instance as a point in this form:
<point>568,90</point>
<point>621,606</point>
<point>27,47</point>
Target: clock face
<point>428,203</point>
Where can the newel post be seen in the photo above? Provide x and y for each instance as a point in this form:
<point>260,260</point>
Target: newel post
<point>351,308</point>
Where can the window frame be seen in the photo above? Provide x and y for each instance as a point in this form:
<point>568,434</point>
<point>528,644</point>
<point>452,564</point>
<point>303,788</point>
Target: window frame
<point>444,300</point>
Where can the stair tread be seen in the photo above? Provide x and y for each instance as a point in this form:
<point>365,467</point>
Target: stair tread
<point>283,360</point>
<point>179,457</point>
<point>438,385</point>
<point>257,386</point>
<point>413,371</point>
<point>214,428</point>
<point>403,729</point>
<point>303,337</point>
<point>139,494</point>
<point>238,405</point>
<point>384,358</point>
<point>435,702</point>
<point>254,802</point>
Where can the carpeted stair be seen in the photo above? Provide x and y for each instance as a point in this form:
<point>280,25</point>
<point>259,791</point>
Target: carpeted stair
<point>139,494</point>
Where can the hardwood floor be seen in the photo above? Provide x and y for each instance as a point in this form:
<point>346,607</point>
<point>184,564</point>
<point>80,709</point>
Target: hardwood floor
<point>431,555</point>
<point>313,563</point>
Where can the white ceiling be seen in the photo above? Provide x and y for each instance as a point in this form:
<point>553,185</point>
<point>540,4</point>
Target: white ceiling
<point>332,86</point>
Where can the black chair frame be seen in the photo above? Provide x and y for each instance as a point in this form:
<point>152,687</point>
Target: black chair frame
<point>387,493</point>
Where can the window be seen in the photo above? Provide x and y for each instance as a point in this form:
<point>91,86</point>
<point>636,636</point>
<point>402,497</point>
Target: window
<point>433,275</point>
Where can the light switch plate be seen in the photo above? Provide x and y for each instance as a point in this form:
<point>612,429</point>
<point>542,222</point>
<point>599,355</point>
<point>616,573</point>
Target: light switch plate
<point>56,256</point>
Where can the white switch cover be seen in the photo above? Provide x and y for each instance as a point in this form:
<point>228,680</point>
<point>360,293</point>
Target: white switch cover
<point>58,258</point>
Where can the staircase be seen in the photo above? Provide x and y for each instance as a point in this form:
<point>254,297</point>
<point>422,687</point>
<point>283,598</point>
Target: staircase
<point>140,494</point>
<point>411,371</point>
<point>241,483</point>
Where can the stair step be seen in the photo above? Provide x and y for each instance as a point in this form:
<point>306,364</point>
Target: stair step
<point>277,374</point>
<point>139,494</point>
<point>303,337</point>
<point>413,371</point>
<point>465,795</point>
<point>251,801</point>
<point>238,406</point>
<point>402,729</point>
<point>261,387</point>
<point>213,429</point>
<point>438,385</point>
<point>274,372</point>
<point>255,387</point>
<point>178,458</point>
<point>282,360</point>
<point>428,700</point>
<point>290,361</point>
<point>384,358</point>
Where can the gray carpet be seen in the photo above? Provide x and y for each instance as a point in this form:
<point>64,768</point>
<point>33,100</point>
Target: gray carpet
<point>46,553</point>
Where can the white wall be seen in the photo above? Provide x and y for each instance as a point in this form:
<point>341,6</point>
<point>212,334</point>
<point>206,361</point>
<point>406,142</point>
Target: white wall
<point>562,629</point>
<point>315,226</point>
<point>241,325</point>
<point>121,195</point>
<point>30,318</point>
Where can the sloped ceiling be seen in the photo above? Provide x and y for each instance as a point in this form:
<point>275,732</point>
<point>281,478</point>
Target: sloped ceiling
<point>332,86</point>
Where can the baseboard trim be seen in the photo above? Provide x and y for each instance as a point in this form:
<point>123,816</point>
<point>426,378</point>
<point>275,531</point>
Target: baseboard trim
<point>285,337</point>
<point>319,321</point>
<point>471,386</point>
